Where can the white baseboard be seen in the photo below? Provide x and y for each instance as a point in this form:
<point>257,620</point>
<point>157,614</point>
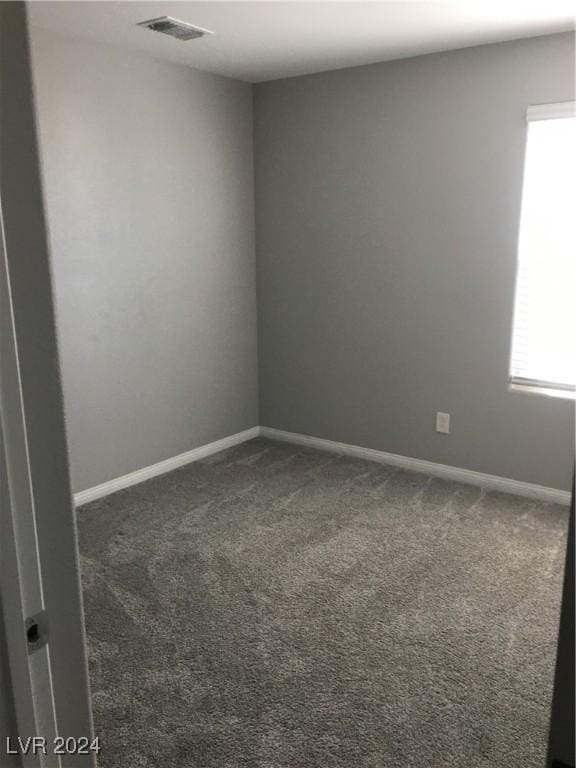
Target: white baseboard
<point>140,475</point>
<point>492,482</point>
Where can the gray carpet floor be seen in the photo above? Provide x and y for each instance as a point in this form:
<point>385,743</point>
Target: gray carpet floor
<point>279,607</point>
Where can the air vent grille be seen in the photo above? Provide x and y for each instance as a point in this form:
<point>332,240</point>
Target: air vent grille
<point>181,30</point>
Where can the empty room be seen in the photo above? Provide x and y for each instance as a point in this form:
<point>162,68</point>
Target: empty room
<point>287,382</point>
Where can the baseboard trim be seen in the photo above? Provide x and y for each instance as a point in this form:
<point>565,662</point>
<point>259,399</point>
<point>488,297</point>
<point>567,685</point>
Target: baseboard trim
<point>492,482</point>
<point>146,473</point>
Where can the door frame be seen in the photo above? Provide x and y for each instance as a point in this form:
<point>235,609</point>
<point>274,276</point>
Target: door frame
<point>39,559</point>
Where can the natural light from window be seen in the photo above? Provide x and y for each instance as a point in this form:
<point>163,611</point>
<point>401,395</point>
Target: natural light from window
<point>544,333</point>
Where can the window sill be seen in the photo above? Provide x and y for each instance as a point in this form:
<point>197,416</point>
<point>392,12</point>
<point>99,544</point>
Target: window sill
<point>527,389</point>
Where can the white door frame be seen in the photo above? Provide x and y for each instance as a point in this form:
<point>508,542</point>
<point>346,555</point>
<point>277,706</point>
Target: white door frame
<point>31,697</point>
<point>39,568</point>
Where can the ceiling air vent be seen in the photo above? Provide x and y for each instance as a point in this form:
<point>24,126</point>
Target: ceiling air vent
<point>181,30</point>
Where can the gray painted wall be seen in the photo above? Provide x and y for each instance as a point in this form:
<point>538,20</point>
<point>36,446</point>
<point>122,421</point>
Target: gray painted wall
<point>387,202</point>
<point>387,213</point>
<point>148,176</point>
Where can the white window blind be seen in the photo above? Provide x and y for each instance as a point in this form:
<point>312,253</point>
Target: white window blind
<point>544,331</point>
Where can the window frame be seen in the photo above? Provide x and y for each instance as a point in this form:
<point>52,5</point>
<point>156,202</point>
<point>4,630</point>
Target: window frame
<point>536,112</point>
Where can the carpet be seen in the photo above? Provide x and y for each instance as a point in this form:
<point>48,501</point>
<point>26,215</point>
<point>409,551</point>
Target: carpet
<point>274,606</point>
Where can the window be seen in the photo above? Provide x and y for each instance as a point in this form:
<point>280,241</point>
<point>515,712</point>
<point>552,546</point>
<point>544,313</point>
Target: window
<point>544,333</point>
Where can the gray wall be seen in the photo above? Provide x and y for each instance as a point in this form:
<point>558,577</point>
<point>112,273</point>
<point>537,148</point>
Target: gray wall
<point>387,202</point>
<point>148,175</point>
<point>387,213</point>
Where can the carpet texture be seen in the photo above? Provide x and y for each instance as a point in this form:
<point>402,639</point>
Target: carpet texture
<point>280,607</point>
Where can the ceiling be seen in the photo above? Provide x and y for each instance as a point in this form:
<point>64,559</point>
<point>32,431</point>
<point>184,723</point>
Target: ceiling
<point>256,41</point>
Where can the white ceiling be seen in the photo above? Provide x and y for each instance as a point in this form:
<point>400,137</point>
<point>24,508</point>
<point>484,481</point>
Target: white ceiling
<point>266,40</point>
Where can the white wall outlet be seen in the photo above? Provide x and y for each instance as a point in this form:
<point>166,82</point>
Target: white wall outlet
<point>443,423</point>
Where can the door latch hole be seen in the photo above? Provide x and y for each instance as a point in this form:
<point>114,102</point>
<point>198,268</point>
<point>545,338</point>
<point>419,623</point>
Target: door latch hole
<point>37,631</point>
<point>33,633</point>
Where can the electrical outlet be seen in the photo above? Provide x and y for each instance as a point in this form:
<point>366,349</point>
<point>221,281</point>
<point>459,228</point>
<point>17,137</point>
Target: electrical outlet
<point>443,423</point>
